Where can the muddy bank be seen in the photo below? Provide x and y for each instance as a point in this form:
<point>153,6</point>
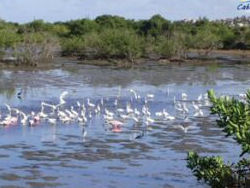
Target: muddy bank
<point>221,55</point>
<point>193,57</point>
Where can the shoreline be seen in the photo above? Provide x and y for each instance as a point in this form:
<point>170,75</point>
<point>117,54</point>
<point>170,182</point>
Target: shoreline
<point>193,57</point>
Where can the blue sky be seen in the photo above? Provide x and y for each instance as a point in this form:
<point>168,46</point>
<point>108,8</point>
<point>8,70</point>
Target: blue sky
<point>60,10</point>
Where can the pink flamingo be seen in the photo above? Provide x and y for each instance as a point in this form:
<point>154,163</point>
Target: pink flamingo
<point>117,130</point>
<point>35,119</point>
<point>9,121</point>
<point>116,125</point>
<point>13,120</point>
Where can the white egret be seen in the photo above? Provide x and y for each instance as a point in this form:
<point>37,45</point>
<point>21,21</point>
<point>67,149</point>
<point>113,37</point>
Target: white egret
<point>129,109</point>
<point>62,97</point>
<point>150,96</point>
<point>91,105</point>
<point>184,129</point>
<point>184,96</point>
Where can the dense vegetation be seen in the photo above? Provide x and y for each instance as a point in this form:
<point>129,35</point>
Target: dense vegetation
<point>234,119</point>
<point>117,37</point>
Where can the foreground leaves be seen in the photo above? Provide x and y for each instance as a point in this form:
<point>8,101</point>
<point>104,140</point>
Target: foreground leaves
<point>234,118</point>
<point>215,172</point>
<point>211,169</point>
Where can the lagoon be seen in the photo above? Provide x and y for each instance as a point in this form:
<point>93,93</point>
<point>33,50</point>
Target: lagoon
<point>58,156</point>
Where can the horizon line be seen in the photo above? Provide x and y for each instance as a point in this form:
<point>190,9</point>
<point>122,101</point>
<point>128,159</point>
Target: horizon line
<point>135,19</point>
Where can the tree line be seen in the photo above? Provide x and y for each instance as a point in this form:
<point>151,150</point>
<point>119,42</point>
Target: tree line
<point>116,37</point>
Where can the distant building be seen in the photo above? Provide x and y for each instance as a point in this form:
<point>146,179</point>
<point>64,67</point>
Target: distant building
<point>238,21</point>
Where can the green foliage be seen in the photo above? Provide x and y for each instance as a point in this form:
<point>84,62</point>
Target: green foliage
<point>110,36</point>
<point>72,46</point>
<point>205,38</point>
<point>226,35</point>
<point>234,118</point>
<point>159,36</point>
<point>167,47</point>
<point>8,38</point>
<point>110,43</point>
<point>174,46</point>
<point>155,26</point>
<point>113,22</point>
<point>60,30</point>
<point>81,27</point>
<point>242,167</point>
<point>211,169</point>
<point>247,37</point>
<point>121,44</point>
<point>38,26</point>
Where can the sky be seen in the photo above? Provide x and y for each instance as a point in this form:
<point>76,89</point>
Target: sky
<point>61,10</point>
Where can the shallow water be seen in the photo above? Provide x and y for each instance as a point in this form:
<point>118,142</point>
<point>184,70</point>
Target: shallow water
<point>59,156</point>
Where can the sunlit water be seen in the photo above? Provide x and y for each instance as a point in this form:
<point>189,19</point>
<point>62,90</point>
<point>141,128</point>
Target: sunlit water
<point>59,156</point>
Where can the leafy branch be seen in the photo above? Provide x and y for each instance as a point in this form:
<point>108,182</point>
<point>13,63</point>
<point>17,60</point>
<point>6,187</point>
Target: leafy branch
<point>234,118</point>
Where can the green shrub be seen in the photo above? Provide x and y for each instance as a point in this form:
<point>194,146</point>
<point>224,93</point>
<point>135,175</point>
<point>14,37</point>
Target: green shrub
<point>116,37</point>
<point>8,39</point>
<point>155,26</point>
<point>211,169</point>
<point>60,30</point>
<point>110,43</point>
<point>234,119</point>
<point>72,46</point>
<point>205,39</point>
<point>174,46</point>
<point>121,44</point>
<point>38,26</point>
<point>113,22</point>
<point>81,27</point>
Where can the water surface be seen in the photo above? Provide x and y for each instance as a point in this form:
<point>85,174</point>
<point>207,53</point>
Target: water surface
<point>59,156</point>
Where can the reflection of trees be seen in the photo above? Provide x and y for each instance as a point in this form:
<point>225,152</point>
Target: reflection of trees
<point>190,74</point>
<point>73,75</point>
<point>13,79</point>
<point>8,93</point>
<point>6,86</point>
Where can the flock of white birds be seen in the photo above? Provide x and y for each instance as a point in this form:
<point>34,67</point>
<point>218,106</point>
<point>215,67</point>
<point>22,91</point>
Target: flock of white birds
<point>114,119</point>
<point>115,116</point>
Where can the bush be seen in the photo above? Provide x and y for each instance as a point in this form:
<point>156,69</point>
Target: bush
<point>8,39</point>
<point>60,30</point>
<point>116,37</point>
<point>110,43</point>
<point>234,118</point>
<point>174,46</point>
<point>121,44</point>
<point>72,46</point>
<point>81,27</point>
<point>113,22</point>
<point>36,48</point>
<point>38,26</point>
<point>205,39</point>
<point>211,169</point>
<point>155,26</point>
<point>247,38</point>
